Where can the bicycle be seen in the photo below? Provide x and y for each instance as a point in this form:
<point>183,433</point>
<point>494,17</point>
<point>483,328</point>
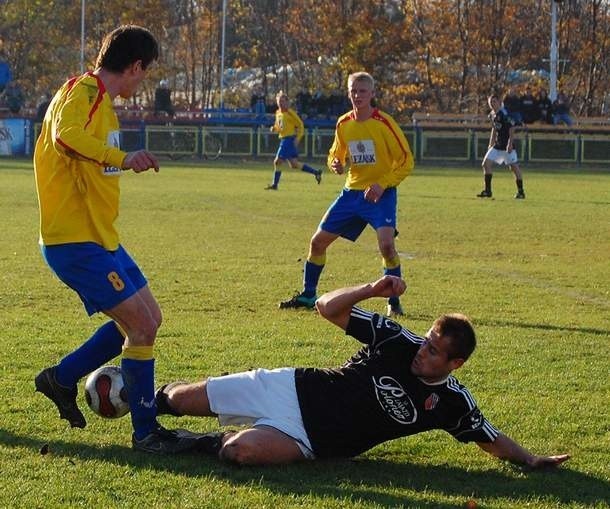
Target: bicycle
<point>212,145</point>
<point>182,144</point>
<point>177,142</point>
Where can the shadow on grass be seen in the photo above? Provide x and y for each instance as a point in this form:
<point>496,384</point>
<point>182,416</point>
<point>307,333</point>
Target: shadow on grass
<point>482,322</point>
<point>544,327</point>
<point>376,481</point>
<point>508,197</point>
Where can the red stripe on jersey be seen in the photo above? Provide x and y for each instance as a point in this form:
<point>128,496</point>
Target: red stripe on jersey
<point>346,118</point>
<point>98,99</point>
<point>71,82</point>
<point>378,116</point>
<point>68,147</point>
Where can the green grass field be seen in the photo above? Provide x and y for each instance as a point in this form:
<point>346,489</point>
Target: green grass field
<point>220,253</point>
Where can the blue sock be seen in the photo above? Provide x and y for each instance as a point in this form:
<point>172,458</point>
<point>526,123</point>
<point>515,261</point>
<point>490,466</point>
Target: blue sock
<point>393,272</point>
<point>311,276</point>
<point>139,378</point>
<point>105,344</point>
<point>308,169</point>
<point>276,177</point>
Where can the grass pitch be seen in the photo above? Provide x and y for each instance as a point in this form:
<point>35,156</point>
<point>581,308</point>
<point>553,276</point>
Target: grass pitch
<point>220,253</point>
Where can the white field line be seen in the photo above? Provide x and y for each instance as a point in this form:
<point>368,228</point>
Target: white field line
<point>550,287</point>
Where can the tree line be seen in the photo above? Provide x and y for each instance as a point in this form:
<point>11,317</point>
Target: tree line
<point>426,55</point>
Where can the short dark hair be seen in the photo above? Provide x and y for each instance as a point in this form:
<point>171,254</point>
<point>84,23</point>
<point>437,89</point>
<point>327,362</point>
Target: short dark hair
<point>124,46</point>
<point>460,332</point>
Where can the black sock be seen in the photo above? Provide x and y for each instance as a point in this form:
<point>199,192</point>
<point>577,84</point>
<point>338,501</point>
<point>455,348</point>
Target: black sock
<point>488,182</point>
<point>520,185</point>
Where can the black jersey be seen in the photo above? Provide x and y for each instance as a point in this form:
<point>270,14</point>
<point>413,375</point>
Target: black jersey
<point>529,108</point>
<point>374,397</point>
<point>544,106</point>
<point>502,122</point>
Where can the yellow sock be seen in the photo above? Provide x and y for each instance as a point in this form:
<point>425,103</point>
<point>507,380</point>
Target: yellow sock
<point>391,263</point>
<point>138,353</point>
<point>317,260</point>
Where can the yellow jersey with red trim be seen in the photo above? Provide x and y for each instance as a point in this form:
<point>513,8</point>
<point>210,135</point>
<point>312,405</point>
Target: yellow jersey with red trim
<point>288,123</point>
<point>77,164</point>
<point>375,150</point>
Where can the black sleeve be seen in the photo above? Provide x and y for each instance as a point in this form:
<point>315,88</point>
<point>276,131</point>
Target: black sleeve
<point>374,329</point>
<point>473,427</point>
<point>361,325</point>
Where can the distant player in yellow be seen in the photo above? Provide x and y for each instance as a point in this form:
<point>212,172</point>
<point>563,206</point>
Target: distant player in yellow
<point>78,164</point>
<point>372,147</point>
<point>290,129</point>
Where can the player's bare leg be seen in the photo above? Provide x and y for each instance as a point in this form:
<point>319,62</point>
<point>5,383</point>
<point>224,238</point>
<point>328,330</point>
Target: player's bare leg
<point>277,174</point>
<point>391,264</point>
<point>262,445</point>
<point>295,164</point>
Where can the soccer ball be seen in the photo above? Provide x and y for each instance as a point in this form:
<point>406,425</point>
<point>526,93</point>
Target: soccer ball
<point>105,392</point>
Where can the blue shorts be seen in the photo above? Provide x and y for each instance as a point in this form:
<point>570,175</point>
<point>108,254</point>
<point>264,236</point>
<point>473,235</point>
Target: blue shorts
<point>350,213</point>
<point>288,148</point>
<point>102,279</point>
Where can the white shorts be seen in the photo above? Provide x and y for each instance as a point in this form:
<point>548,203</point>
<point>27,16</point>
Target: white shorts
<point>260,397</point>
<point>501,156</point>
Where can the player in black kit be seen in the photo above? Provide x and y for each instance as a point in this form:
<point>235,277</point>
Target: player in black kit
<point>501,148</point>
<point>397,384</point>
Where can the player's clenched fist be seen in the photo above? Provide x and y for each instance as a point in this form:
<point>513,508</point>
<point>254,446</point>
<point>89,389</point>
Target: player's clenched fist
<point>140,160</point>
<point>389,286</point>
<point>336,166</point>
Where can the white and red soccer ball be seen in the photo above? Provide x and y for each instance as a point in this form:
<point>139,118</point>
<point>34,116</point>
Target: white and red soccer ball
<point>105,392</point>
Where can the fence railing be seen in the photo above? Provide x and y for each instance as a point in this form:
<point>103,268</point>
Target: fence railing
<point>545,146</point>
<point>432,144</point>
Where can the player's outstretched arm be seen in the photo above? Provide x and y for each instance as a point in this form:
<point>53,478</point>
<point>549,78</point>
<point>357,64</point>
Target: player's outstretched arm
<point>507,449</point>
<point>140,160</point>
<point>336,306</point>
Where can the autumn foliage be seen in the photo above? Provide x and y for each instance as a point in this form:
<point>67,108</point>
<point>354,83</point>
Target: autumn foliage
<point>430,55</point>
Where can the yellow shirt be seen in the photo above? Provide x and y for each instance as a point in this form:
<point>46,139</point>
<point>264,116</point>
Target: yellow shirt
<point>288,123</point>
<point>77,166</point>
<point>375,150</point>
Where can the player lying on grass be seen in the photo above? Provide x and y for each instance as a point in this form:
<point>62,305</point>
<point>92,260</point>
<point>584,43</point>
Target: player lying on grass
<point>397,384</point>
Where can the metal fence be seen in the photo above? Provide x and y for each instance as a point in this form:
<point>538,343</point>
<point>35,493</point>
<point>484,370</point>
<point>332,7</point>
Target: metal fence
<point>427,143</point>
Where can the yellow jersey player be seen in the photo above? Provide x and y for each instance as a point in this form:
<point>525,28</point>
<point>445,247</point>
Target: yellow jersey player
<point>290,129</point>
<point>372,147</point>
<point>78,164</point>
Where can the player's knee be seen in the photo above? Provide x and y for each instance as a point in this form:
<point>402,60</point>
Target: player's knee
<point>240,451</point>
<point>157,317</point>
<point>146,332</point>
<point>317,246</point>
